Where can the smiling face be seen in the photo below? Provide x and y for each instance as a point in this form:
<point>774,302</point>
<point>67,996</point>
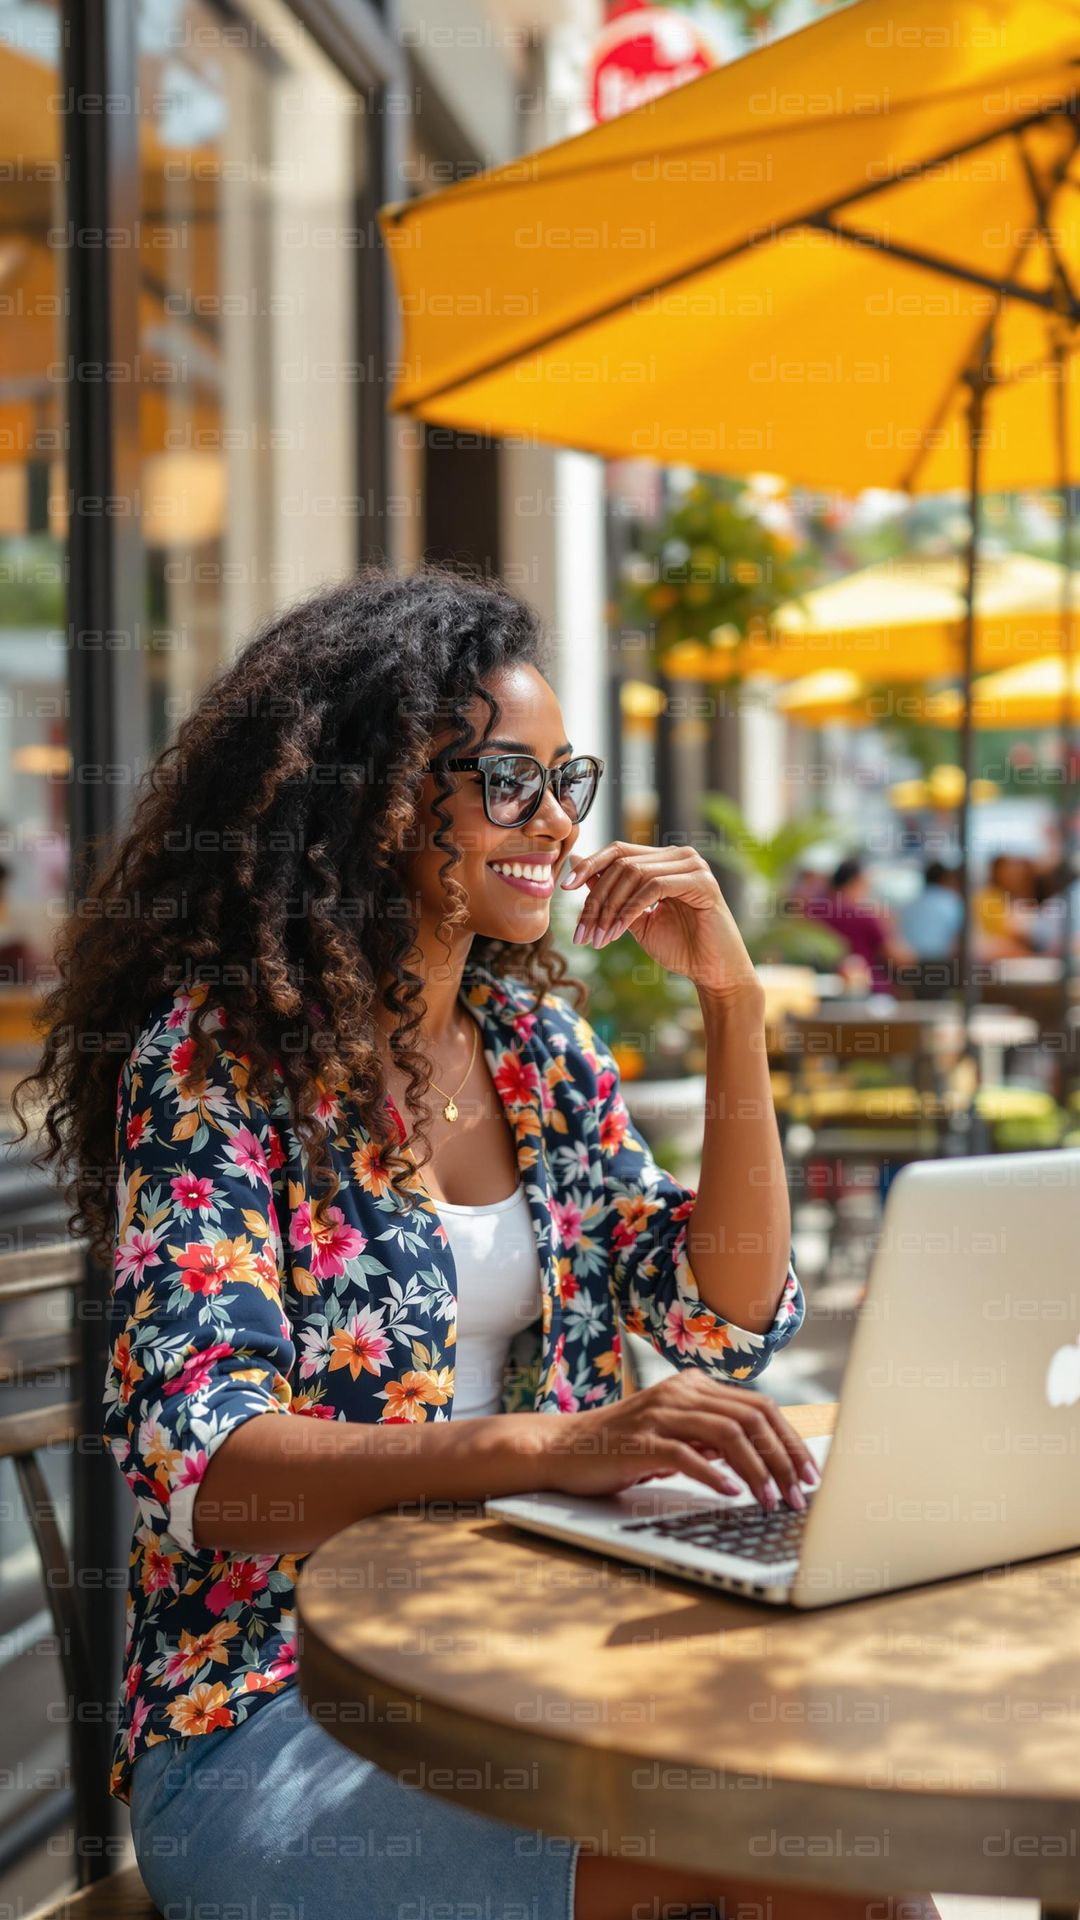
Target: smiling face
<point>508,873</point>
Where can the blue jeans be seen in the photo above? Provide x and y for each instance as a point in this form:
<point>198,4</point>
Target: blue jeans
<point>276,1820</point>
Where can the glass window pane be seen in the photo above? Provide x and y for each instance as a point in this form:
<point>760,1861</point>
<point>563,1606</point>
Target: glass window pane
<point>253,151</point>
<point>34,754</point>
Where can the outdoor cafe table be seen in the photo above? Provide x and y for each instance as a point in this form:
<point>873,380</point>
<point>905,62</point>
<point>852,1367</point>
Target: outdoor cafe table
<point>924,1740</point>
<point>680,1102</point>
<point>993,1029</point>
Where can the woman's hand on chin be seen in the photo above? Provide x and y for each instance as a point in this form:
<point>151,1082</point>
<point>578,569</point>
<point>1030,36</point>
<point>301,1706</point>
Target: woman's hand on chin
<point>669,898</point>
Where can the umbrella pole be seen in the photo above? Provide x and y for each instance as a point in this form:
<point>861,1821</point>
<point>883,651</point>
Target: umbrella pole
<point>967,1133</point>
<point>1071,744</point>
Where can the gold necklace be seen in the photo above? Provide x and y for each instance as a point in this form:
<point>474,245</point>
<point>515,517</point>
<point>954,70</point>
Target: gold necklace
<point>450,1111</point>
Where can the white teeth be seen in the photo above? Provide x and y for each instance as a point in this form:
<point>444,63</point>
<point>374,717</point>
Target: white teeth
<point>521,870</point>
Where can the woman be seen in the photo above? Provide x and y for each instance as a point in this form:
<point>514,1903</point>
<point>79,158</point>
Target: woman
<point>874,947</point>
<point>1004,909</point>
<point>338,891</point>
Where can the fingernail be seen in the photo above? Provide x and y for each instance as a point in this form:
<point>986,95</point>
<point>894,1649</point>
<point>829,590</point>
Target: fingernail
<point>810,1476</point>
<point>617,927</point>
<point>601,936</point>
<point>796,1497</point>
<point>579,934</point>
<point>770,1494</point>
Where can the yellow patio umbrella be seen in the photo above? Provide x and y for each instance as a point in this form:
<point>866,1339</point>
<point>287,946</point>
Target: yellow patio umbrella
<point>904,620</point>
<point>943,787</point>
<point>784,265</point>
<point>1031,695</point>
<point>641,704</point>
<point>837,697</point>
<point>901,620</point>
<point>818,699</point>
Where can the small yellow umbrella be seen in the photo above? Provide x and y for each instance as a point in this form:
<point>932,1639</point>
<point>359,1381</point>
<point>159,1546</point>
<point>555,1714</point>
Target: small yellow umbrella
<point>641,703</point>
<point>1032,695</point>
<point>943,787</point>
<point>834,695</point>
<point>902,620</point>
<point>840,698</point>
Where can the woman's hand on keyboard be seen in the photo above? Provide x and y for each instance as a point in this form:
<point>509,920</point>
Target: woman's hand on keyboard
<point>683,1424</point>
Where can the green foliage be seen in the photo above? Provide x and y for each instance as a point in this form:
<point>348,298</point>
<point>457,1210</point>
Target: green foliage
<point>709,563</point>
<point>630,996</point>
<point>769,860</point>
<point>757,19</point>
<point>791,941</point>
<point>34,582</point>
<point>1032,1131</point>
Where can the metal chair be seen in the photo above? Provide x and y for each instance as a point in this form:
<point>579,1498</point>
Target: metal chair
<point>830,1117</point>
<point>40,1411</point>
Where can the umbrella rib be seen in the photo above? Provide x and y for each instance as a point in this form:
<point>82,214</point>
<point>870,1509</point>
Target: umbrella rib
<point>1021,250</point>
<point>621,302</point>
<point>938,263</point>
<point>1042,208</point>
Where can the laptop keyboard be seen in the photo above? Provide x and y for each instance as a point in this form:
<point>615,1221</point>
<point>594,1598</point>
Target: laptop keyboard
<point>749,1532</point>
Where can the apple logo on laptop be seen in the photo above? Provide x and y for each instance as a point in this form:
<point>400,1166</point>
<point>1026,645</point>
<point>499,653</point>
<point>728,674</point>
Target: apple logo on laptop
<point>1063,1376</point>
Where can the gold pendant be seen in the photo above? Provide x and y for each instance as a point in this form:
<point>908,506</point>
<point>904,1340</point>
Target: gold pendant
<point>450,1111</point>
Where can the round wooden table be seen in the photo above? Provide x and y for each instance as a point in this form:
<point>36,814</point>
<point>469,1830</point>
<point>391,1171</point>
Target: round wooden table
<point>927,1740</point>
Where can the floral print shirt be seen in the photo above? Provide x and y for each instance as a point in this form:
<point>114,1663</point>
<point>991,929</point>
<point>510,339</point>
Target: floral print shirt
<point>244,1295</point>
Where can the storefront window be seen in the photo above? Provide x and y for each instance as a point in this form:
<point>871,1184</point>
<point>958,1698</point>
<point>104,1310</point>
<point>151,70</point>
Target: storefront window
<point>34,756</point>
<point>253,153</point>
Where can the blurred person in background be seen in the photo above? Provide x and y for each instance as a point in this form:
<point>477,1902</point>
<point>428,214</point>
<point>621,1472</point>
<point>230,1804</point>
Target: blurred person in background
<point>1057,894</point>
<point>1004,909</point>
<point>1054,871</point>
<point>931,922</point>
<point>875,947</point>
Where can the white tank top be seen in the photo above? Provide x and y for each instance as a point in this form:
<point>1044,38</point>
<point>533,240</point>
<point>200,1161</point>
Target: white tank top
<point>498,1293</point>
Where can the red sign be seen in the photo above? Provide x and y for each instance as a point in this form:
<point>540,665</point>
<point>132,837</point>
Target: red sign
<point>643,53</point>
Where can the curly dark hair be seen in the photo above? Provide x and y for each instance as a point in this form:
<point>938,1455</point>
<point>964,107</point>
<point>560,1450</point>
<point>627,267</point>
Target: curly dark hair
<point>263,859</point>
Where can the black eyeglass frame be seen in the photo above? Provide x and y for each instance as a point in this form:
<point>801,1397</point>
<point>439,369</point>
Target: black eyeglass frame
<point>483,763</point>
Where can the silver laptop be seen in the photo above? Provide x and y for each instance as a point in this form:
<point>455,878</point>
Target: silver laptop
<point>956,1439</point>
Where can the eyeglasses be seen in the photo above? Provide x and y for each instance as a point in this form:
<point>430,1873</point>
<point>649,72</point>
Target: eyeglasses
<point>515,784</point>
